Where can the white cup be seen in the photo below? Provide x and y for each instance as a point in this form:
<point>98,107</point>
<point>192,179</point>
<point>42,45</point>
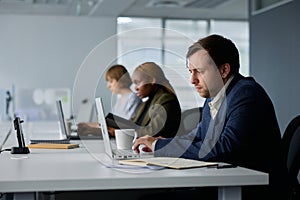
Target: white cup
<point>125,138</point>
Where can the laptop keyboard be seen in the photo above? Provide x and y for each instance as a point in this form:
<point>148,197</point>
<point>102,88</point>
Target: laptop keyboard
<point>124,151</point>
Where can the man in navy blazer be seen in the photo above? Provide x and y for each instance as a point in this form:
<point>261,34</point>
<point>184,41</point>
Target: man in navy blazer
<point>238,125</point>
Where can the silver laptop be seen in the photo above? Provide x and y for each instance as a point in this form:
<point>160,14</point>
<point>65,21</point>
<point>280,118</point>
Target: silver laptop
<point>5,138</point>
<point>113,153</point>
<point>61,137</point>
<point>85,111</point>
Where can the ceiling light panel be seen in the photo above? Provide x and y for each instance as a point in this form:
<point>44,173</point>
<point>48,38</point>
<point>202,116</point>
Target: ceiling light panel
<point>205,3</point>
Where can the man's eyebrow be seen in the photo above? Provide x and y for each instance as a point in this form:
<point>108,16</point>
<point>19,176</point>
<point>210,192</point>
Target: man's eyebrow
<point>196,68</point>
<point>190,64</point>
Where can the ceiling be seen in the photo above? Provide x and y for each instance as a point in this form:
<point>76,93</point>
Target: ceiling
<point>192,9</point>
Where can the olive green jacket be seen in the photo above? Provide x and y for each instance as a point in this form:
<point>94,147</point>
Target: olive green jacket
<point>163,115</point>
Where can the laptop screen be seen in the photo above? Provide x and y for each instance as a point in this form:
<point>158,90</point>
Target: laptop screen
<point>103,125</point>
<point>6,136</point>
<point>61,118</point>
<point>54,137</point>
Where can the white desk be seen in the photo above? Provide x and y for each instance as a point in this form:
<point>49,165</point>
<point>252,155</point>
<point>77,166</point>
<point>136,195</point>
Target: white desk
<point>80,169</point>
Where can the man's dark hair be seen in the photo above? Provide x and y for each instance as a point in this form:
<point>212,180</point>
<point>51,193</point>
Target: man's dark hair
<point>220,49</point>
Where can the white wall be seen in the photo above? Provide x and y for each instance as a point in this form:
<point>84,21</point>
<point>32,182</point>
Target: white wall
<point>47,51</point>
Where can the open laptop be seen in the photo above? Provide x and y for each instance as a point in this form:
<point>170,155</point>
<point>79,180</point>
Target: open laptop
<point>5,138</point>
<point>113,153</point>
<point>85,112</point>
<point>62,137</point>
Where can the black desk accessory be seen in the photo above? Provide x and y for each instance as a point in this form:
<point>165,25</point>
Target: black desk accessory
<point>21,149</point>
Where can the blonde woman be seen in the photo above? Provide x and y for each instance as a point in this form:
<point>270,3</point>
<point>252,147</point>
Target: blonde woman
<point>160,114</point>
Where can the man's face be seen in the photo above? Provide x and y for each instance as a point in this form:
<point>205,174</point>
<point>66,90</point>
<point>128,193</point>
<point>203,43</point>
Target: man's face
<point>205,76</point>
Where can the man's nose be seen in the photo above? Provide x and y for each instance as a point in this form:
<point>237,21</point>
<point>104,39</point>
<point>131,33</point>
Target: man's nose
<point>194,79</point>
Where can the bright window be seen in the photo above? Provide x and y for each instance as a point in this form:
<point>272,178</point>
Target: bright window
<point>165,41</point>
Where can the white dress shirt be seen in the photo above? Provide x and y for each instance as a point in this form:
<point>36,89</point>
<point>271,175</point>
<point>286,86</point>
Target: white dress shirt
<point>216,102</point>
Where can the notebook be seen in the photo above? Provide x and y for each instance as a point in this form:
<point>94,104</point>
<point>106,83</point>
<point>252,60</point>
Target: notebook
<point>62,137</point>
<point>118,154</point>
<point>117,122</point>
<point>169,162</point>
<point>52,146</point>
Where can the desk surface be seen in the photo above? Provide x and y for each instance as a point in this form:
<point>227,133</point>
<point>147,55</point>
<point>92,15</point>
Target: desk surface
<point>84,169</point>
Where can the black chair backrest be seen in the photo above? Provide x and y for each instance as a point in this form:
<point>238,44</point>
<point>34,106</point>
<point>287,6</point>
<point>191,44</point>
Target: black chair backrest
<point>291,147</point>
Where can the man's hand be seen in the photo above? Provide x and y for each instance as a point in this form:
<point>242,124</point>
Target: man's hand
<point>145,140</point>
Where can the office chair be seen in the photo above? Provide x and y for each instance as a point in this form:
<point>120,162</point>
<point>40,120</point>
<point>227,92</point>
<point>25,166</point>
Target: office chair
<point>189,120</point>
<point>291,148</point>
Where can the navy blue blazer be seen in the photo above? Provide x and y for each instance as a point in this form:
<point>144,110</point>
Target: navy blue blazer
<point>245,132</point>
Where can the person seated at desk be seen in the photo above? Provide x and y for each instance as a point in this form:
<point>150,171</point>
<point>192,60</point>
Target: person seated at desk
<point>238,126</point>
<point>160,113</point>
<point>118,82</point>
<point>160,110</point>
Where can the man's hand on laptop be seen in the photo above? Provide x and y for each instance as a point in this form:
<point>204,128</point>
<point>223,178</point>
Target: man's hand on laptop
<point>147,143</point>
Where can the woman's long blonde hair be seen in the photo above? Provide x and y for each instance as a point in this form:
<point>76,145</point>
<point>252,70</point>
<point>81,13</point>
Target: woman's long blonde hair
<point>153,71</point>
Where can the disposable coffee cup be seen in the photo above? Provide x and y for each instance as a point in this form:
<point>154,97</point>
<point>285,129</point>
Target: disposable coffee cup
<point>125,138</point>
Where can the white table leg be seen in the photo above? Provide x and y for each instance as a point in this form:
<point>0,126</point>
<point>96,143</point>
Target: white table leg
<point>229,193</point>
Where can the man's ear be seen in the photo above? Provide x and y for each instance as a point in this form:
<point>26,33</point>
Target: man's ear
<point>225,70</point>
<point>153,80</point>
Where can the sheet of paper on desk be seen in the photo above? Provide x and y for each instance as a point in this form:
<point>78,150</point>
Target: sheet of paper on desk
<point>135,167</point>
<point>107,162</point>
<point>169,162</point>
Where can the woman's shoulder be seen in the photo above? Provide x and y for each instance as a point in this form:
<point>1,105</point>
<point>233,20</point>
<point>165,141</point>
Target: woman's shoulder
<point>164,95</point>
<point>134,99</point>
<point>132,96</point>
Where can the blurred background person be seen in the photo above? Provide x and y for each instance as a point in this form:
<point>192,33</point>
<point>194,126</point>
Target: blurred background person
<point>119,82</point>
<point>126,102</point>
